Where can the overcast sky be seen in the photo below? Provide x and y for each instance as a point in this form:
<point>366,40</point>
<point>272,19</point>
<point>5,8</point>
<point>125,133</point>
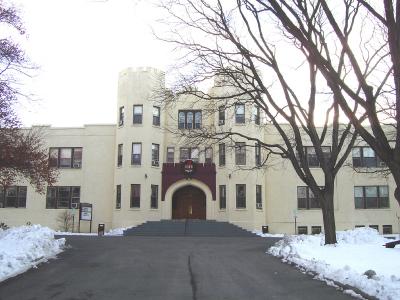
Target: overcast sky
<point>80,46</point>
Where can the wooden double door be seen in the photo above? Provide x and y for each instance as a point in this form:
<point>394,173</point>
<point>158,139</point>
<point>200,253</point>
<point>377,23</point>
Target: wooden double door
<point>189,202</point>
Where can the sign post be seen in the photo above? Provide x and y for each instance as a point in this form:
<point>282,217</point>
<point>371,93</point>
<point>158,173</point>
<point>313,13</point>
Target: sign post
<point>295,220</point>
<point>85,214</point>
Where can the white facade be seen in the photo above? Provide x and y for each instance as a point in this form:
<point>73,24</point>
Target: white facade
<point>103,168</point>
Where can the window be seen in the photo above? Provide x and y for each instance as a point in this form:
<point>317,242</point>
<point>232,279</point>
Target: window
<point>189,153</point>
<point>302,230</point>
<point>119,156</point>
<point>256,115</point>
<point>311,155</point>
<point>316,229</point>
<point>359,226</point>
<point>257,149</point>
<point>306,198</point>
<point>154,196</point>
<point>137,114</point>
<point>240,153</point>
<point>371,197</point>
<point>376,227</point>
<point>135,195</point>
<point>121,116</point>
<point>365,157</point>
<point>155,154</point>
<point>387,229</point>
<point>156,116</point>
<point>118,197</point>
<point>170,154</point>
<point>258,197</point>
<point>239,114</point>
<point>68,158</point>
<point>189,119</point>
<point>14,196</point>
<point>221,115</point>
<point>240,196</point>
<point>222,197</point>
<point>63,197</point>
<point>136,153</point>
<point>209,155</point>
<point>221,152</point>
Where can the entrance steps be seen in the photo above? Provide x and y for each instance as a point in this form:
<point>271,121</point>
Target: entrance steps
<point>205,228</point>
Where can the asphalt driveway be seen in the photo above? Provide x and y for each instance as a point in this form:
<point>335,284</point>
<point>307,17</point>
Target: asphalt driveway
<point>165,268</point>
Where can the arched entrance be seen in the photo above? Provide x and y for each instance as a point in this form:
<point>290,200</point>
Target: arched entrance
<point>189,202</point>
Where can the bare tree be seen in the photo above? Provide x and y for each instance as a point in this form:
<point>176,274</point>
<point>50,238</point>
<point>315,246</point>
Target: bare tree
<point>230,40</point>
<point>367,46</point>
<point>22,153</point>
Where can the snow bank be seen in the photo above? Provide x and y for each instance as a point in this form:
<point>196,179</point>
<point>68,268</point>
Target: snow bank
<point>259,233</point>
<point>357,251</point>
<point>112,232</point>
<point>24,247</point>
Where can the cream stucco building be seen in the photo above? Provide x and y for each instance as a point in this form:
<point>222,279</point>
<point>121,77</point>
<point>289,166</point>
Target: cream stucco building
<point>140,170</point>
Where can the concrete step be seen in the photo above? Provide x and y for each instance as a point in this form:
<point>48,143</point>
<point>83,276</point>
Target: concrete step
<point>204,228</point>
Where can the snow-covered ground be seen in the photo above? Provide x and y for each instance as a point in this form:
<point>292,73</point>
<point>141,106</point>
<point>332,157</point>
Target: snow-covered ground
<point>259,233</point>
<point>24,247</point>
<point>112,232</point>
<point>356,252</point>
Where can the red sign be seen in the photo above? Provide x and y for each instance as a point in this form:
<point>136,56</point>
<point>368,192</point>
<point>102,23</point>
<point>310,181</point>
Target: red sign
<point>188,167</point>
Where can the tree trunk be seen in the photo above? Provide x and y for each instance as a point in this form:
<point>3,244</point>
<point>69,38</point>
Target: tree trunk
<point>328,215</point>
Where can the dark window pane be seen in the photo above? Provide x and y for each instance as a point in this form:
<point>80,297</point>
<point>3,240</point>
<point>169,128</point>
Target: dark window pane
<point>22,196</point>
<point>136,154</point>
<point>315,229</point>
<point>184,154</point>
<point>222,197</point>
<point>239,113</point>
<point>64,197</point>
<point>387,229</point>
<point>121,116</point>
<point>120,153</point>
<point>302,230</point>
<point>197,120</point>
<point>240,153</point>
<point>137,114</point>
<point>51,197</point>
<point>77,156</point>
<point>240,196</point>
<point>11,196</point>
<point>181,120</point>
<point>135,195</point>
<point>53,157</point>
<point>170,154</point>
<point>209,155</point>
<point>155,153</point>
<point>156,115</point>
<point>221,115</point>
<point>65,157</point>
<point>154,196</point>
<point>221,150</point>
<point>118,197</point>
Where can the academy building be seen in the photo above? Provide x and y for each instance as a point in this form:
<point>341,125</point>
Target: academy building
<point>140,170</point>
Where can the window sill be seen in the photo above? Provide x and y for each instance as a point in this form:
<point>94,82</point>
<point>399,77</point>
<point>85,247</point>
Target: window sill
<point>241,209</point>
<point>373,209</point>
<point>154,209</point>
<point>137,125</point>
<point>259,209</point>
<point>222,210</point>
<point>134,208</point>
<point>117,209</point>
<point>156,167</point>
<point>156,126</point>
<point>136,166</point>
<point>240,124</point>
